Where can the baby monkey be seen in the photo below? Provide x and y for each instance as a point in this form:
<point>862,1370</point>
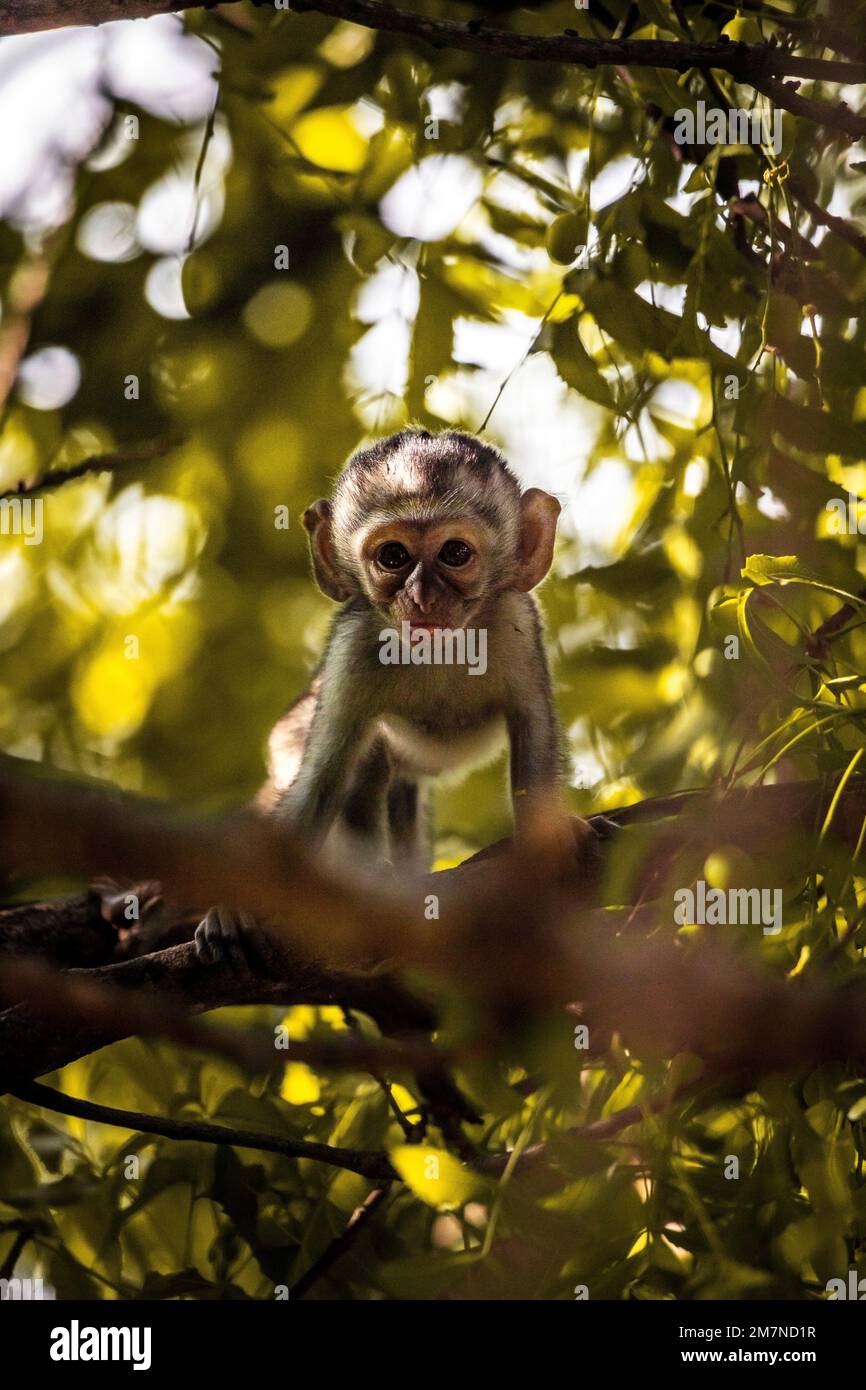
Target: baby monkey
<point>431,532</point>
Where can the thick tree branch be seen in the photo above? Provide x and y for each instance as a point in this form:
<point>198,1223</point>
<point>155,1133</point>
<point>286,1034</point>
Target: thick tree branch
<point>33,16</point>
<point>758,65</point>
<point>83,1011</point>
<point>49,826</point>
<point>113,1011</point>
<point>65,933</point>
<point>505,932</point>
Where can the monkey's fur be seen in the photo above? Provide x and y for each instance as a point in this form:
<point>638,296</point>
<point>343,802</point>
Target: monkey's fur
<point>356,747</point>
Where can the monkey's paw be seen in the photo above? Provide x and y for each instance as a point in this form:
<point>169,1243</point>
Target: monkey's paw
<point>603,827</point>
<point>225,936</point>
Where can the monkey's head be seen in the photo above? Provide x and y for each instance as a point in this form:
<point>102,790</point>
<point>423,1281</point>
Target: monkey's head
<point>429,528</point>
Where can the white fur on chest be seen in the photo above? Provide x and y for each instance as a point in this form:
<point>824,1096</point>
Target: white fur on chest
<point>429,755</point>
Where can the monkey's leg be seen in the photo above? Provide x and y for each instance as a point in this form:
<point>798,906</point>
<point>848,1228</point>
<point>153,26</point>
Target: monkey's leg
<point>363,813</point>
<point>410,847</point>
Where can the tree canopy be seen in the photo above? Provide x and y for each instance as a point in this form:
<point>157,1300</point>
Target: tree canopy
<point>627,241</point>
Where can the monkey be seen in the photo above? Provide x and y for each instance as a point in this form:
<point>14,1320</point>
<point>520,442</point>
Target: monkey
<point>424,534</point>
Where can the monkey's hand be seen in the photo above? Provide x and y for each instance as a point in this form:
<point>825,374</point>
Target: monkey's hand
<point>144,918</point>
<point>569,845</point>
<point>603,827</point>
<point>225,936</point>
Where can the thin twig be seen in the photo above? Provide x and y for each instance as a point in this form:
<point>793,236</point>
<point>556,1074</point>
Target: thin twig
<point>98,463</point>
<point>838,225</point>
<point>7,1269</point>
<point>358,1221</point>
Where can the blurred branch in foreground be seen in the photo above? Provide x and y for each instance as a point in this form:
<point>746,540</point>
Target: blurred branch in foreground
<point>507,935</point>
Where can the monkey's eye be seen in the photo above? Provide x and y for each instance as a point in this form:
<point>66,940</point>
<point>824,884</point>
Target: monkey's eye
<point>393,556</point>
<point>455,554</point>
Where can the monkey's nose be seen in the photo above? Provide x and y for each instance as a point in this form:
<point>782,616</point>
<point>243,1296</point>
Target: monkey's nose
<point>418,591</point>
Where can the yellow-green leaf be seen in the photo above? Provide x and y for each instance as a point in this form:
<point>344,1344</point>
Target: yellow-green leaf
<point>435,1176</point>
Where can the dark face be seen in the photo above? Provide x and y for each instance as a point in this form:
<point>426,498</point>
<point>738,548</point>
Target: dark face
<point>429,574</point>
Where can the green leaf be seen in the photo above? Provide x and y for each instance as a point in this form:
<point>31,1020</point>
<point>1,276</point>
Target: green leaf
<point>776,569</point>
<point>788,569</point>
<point>576,367</point>
<point>435,1176</point>
<point>697,181</point>
<point>819,431</point>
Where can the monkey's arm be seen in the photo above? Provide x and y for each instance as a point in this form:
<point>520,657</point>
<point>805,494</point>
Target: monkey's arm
<point>311,803</point>
<point>535,755</point>
<point>537,761</point>
<point>346,707</point>
<point>314,751</point>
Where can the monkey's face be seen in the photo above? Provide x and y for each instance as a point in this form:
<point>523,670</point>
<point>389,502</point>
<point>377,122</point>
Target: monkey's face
<point>429,574</point>
<point>430,530</point>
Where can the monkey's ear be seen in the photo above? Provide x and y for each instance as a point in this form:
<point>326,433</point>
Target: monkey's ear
<point>538,513</point>
<point>317,521</point>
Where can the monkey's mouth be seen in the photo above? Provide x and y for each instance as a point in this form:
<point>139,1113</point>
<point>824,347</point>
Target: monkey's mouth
<point>438,621</point>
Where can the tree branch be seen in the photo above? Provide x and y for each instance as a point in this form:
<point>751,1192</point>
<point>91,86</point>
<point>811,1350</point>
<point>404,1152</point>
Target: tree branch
<point>84,1010</point>
<point>786,96</point>
<point>745,62</point>
<point>368,1163</point>
<point>842,229</point>
<point>505,933</point>
<point>67,933</point>
<point>756,65</point>
<point>358,1221</point>
<point>114,1012</point>
<point>97,463</point>
<point>510,940</point>
<point>7,1269</point>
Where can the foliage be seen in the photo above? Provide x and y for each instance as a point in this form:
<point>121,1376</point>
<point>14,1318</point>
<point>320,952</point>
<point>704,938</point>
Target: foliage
<point>689,352</point>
